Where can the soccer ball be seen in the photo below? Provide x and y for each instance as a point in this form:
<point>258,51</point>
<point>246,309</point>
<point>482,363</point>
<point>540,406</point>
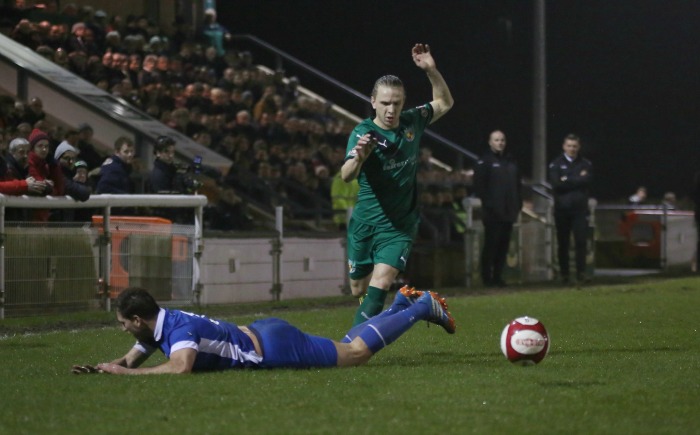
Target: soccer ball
<point>525,341</point>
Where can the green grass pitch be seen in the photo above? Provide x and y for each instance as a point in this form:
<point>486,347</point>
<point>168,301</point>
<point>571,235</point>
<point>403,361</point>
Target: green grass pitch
<point>624,359</point>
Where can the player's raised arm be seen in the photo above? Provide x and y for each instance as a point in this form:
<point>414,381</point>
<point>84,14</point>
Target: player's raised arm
<point>442,98</point>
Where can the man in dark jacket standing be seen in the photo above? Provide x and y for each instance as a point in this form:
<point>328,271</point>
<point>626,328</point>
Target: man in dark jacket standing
<point>570,176</point>
<point>115,172</point>
<point>165,178</point>
<point>497,183</point>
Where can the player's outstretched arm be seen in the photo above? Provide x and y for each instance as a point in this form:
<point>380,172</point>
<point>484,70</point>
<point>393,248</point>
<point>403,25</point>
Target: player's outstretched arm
<point>442,98</point>
<point>181,361</point>
<point>131,359</point>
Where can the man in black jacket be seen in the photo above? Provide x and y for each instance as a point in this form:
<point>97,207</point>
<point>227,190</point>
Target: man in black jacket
<point>570,177</point>
<point>165,177</point>
<point>497,183</point>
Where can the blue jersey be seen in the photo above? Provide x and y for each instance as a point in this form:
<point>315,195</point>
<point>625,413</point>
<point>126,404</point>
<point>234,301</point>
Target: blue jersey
<point>219,345</point>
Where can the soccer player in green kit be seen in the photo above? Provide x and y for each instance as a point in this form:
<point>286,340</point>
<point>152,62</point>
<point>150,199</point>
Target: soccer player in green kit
<point>382,154</point>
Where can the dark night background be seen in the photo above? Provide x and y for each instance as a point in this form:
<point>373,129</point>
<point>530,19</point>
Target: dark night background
<point>621,74</point>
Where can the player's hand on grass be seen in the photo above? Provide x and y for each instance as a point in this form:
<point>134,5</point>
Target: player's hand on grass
<point>86,369</point>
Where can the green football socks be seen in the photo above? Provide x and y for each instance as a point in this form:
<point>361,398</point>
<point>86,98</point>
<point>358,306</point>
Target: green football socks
<point>371,305</point>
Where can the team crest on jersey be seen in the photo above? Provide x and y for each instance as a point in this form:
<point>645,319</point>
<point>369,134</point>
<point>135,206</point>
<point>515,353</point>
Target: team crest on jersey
<point>409,134</point>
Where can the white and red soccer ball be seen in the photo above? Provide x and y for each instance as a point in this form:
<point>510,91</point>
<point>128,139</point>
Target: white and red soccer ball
<point>525,341</point>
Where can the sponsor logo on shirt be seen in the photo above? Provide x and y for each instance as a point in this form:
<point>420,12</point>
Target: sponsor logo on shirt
<point>393,164</point>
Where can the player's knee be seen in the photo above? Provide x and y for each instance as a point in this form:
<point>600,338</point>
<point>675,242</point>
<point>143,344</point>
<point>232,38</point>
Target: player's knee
<point>357,288</point>
<point>359,352</point>
<point>354,353</point>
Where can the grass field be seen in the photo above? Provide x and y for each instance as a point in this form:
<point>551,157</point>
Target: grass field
<point>624,359</point>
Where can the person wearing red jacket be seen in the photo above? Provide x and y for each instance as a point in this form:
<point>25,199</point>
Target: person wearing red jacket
<point>42,167</point>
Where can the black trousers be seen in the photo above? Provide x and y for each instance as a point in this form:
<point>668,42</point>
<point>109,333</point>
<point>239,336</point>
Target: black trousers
<point>493,256</point>
<point>568,223</point>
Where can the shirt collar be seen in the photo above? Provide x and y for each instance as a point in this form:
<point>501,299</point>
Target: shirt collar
<point>158,332</point>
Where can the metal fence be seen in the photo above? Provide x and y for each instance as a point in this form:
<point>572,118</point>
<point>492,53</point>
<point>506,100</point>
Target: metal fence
<point>46,267</point>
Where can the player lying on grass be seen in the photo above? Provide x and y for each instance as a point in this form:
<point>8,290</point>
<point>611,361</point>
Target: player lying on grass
<point>194,343</point>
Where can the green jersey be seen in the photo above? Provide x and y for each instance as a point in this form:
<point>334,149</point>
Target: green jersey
<point>388,194</point>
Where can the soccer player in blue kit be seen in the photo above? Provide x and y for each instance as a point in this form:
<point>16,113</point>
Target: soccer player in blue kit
<point>194,343</point>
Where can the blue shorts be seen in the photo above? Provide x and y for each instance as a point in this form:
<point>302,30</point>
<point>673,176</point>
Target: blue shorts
<point>284,345</point>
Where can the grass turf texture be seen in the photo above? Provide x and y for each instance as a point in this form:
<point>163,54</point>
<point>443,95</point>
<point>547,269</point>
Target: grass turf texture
<point>624,358</point>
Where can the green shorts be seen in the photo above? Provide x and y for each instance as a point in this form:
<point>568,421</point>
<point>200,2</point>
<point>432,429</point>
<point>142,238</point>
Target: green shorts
<point>369,245</point>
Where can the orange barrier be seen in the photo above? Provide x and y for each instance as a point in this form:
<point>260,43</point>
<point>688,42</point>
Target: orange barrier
<point>138,257</point>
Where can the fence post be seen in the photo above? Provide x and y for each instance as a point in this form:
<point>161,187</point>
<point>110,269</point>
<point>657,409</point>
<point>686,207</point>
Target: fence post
<point>2,261</point>
<point>276,253</point>
<point>106,258</point>
<point>469,239</point>
<point>197,255</point>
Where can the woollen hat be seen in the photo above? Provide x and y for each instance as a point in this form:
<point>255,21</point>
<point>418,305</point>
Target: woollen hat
<point>36,135</point>
<point>62,148</point>
<point>80,164</point>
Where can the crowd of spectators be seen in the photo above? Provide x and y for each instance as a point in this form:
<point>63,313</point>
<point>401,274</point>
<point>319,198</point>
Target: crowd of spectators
<point>286,147</point>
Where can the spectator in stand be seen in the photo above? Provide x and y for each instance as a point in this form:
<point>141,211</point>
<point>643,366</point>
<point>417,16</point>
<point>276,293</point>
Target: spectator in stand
<point>24,129</point>
<point>87,150</point>
<point>98,25</point>
<point>77,63</point>
<point>35,111</point>
<point>244,126</point>
<point>57,37</point>
<point>76,40</point>
<point>195,98</point>
<point>14,178</point>
<point>267,104</point>
<point>639,197</point>
<point>166,178</point>
<point>121,65</point>
<point>669,201</point>
<point>213,62</point>
<point>322,184</point>
<point>115,172</point>
<point>66,156</point>
<point>81,177</point>
<point>25,34</point>
<point>113,42</point>
<point>214,34</point>
<point>17,159</point>
<point>148,74</point>
<point>220,103</point>
<point>43,167</point>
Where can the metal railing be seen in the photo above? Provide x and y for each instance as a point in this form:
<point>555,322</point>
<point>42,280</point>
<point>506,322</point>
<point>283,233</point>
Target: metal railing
<point>355,101</point>
<point>103,204</point>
